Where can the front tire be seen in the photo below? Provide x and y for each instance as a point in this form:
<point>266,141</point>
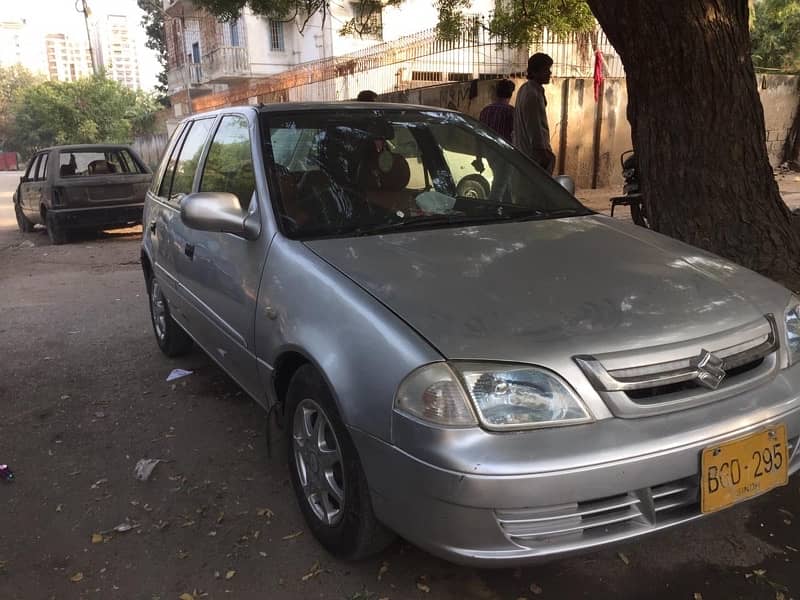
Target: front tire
<point>170,337</point>
<point>326,472</point>
<point>25,225</point>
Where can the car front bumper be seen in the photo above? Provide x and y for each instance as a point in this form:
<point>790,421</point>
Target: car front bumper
<point>100,216</point>
<point>632,487</point>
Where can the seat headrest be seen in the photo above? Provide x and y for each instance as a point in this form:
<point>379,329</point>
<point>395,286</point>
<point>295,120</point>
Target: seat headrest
<point>398,176</point>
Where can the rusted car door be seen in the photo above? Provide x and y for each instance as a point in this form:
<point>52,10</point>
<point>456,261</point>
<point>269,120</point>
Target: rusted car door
<point>32,186</point>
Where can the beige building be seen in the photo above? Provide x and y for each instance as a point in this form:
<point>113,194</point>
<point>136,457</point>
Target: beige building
<point>68,57</point>
<point>207,56</point>
<point>116,50</point>
<point>19,45</point>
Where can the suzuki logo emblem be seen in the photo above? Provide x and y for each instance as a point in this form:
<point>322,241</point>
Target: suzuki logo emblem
<point>709,370</point>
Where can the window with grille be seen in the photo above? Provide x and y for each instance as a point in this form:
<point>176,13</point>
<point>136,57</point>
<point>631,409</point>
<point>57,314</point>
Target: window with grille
<point>459,76</point>
<point>426,75</point>
<point>276,36</point>
<point>234,29</point>
<point>368,18</point>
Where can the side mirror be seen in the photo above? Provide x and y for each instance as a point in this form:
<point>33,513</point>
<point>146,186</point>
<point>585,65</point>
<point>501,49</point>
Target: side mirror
<point>219,211</point>
<point>566,182</point>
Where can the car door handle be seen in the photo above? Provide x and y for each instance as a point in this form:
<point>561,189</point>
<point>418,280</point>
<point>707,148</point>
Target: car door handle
<point>188,250</point>
<point>153,226</point>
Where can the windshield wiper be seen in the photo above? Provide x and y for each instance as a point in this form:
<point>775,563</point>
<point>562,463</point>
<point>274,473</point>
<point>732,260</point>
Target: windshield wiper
<point>433,220</point>
<point>555,213</point>
<point>518,213</point>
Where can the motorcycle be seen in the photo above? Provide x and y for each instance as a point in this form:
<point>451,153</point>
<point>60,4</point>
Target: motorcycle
<point>631,191</point>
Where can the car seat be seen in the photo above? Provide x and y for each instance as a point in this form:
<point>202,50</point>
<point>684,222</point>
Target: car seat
<point>101,167</point>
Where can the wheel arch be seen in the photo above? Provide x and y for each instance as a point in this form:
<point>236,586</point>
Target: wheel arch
<point>147,267</point>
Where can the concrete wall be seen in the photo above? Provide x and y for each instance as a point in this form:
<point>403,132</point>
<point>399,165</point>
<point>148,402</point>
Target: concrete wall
<point>780,95</point>
<point>587,136</point>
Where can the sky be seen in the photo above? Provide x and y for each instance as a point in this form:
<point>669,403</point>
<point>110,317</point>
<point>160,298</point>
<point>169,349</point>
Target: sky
<point>60,16</point>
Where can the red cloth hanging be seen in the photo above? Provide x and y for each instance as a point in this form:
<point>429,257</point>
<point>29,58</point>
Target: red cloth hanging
<point>598,74</point>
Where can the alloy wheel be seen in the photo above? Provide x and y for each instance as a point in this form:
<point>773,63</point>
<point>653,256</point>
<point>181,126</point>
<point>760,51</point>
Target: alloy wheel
<point>159,310</point>
<point>318,460</point>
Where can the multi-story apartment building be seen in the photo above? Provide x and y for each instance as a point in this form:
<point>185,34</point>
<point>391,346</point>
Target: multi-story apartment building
<point>68,57</point>
<point>116,50</point>
<point>19,45</point>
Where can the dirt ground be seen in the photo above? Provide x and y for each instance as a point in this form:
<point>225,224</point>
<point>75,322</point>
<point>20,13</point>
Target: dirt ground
<point>83,397</point>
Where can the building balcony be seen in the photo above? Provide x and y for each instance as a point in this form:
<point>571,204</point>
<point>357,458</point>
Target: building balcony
<point>226,64</point>
<point>177,79</point>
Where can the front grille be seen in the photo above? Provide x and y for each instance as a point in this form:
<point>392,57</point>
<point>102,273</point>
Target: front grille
<point>577,525</point>
<point>637,383</point>
<point>659,392</point>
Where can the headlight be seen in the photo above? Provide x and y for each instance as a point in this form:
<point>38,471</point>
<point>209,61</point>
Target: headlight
<point>504,397</point>
<point>520,397</point>
<point>793,330</point>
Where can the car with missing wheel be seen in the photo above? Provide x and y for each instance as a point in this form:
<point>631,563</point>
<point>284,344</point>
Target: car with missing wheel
<point>498,379</point>
<point>81,187</point>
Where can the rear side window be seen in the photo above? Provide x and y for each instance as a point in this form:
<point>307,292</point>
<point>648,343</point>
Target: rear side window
<point>41,168</point>
<point>229,165</point>
<point>30,170</point>
<point>188,160</point>
<point>30,173</point>
<point>90,163</point>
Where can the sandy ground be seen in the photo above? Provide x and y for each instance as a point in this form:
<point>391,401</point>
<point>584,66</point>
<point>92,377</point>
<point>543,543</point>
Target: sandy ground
<point>83,397</point>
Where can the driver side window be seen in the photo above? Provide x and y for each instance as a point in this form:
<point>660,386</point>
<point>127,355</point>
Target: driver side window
<point>229,165</point>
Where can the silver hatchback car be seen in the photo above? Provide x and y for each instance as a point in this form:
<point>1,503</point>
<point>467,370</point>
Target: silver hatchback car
<point>499,377</point>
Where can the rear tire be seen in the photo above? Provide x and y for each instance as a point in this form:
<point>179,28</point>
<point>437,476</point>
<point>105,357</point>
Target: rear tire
<point>170,337</point>
<point>326,473</point>
<point>24,224</point>
<point>55,231</point>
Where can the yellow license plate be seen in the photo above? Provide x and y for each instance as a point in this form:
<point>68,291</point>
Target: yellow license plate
<point>743,468</point>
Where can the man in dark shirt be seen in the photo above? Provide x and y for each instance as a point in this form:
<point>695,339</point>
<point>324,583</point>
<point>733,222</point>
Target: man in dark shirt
<point>499,115</point>
<point>531,130</point>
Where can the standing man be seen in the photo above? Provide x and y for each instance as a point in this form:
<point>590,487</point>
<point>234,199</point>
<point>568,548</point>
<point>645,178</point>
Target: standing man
<point>499,115</point>
<point>531,132</point>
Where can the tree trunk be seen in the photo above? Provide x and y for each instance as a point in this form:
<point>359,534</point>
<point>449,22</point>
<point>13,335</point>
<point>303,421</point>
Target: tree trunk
<point>698,130</point>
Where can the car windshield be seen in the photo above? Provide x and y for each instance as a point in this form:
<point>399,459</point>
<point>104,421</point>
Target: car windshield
<point>362,172</point>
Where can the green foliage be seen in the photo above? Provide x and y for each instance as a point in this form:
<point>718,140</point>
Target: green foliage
<point>90,110</point>
<point>520,21</point>
<point>13,80</point>
<point>776,34</point>
<point>287,10</point>
<point>153,23</point>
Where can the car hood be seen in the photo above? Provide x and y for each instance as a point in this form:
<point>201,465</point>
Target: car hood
<point>518,291</point>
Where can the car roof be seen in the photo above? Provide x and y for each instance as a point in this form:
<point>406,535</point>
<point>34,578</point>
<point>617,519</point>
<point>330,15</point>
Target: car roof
<point>319,106</point>
<point>84,147</point>
<point>349,105</point>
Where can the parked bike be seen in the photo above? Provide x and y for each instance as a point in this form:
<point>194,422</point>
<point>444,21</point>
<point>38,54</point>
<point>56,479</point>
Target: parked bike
<point>631,191</point>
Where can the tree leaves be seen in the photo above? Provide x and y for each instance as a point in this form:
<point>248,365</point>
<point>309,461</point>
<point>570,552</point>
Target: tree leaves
<point>776,34</point>
<point>88,111</point>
